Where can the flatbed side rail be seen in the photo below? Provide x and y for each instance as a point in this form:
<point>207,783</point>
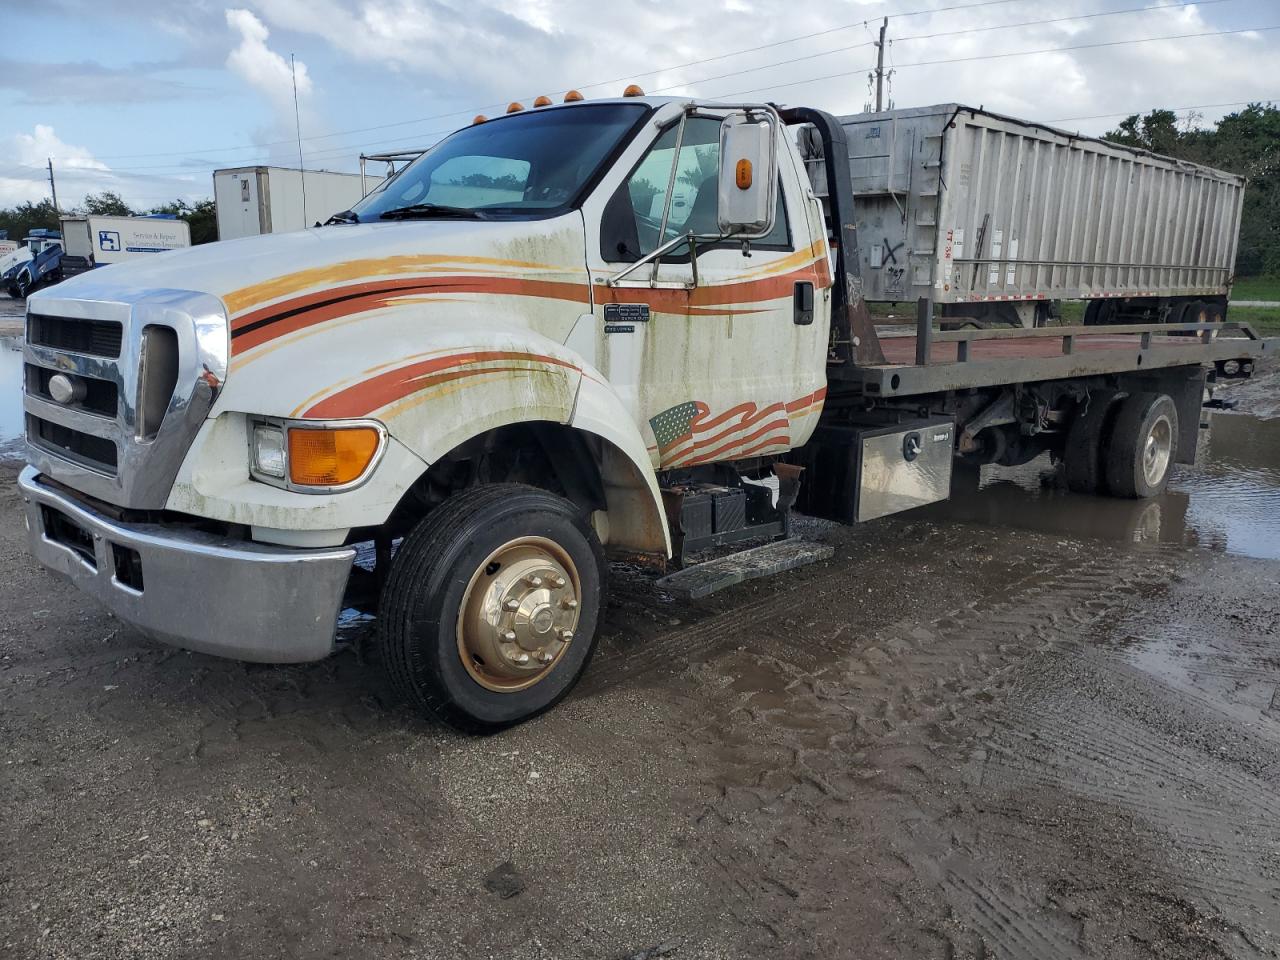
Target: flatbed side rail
<point>926,336</point>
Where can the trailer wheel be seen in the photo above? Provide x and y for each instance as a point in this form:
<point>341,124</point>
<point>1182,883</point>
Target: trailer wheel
<point>1141,445</point>
<point>489,614</point>
<point>1084,463</point>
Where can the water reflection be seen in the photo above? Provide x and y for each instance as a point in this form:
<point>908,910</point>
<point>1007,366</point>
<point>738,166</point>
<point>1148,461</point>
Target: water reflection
<point>1229,500</point>
<point>10,388</point>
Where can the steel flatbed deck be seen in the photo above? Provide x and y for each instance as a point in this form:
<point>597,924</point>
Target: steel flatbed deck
<point>940,361</point>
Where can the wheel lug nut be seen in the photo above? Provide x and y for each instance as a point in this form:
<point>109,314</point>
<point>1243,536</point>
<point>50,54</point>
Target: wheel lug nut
<point>509,636</point>
<point>521,658</point>
<point>570,604</point>
<point>566,635</point>
<point>546,656</point>
<point>512,604</point>
<point>533,581</point>
<point>559,582</point>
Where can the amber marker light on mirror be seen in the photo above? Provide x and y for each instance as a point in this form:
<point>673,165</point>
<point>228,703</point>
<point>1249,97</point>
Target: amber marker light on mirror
<point>742,172</point>
<point>633,90</point>
<point>330,456</point>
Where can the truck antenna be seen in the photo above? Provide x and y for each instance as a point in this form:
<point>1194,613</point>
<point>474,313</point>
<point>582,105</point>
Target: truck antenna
<point>297,125</point>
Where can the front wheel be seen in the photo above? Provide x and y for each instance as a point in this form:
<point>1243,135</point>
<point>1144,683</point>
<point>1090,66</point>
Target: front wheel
<point>489,614</point>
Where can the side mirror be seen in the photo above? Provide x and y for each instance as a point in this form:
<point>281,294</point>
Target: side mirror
<point>748,193</point>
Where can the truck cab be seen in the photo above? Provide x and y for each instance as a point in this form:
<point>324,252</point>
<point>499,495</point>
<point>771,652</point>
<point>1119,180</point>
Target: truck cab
<point>592,329</point>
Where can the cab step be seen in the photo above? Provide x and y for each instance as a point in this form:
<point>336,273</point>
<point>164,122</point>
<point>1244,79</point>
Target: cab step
<point>704,579</point>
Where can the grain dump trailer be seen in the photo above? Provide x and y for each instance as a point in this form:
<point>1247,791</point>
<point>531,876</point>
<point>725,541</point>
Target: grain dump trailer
<point>511,363</point>
<point>993,219</point>
<point>254,200</point>
<point>97,241</point>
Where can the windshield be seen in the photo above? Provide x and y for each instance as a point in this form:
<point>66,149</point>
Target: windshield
<point>533,163</point>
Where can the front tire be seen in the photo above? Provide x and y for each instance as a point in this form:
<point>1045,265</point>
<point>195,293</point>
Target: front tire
<point>490,612</point>
<point>1142,446</point>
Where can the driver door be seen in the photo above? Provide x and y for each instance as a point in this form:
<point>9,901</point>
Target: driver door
<point>727,368</point>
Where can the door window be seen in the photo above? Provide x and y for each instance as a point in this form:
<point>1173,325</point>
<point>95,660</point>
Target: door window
<point>633,219</point>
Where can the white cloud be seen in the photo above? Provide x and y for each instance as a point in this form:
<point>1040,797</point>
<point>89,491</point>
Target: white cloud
<point>264,69</point>
<point>77,172</point>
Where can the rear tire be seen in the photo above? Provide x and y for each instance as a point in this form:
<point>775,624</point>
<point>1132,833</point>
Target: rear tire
<point>489,614</point>
<point>1084,464</point>
<point>1142,446</point>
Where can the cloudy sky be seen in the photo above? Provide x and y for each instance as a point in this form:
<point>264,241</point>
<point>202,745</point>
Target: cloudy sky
<point>148,98</point>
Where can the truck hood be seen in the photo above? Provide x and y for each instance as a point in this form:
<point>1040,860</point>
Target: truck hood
<point>253,271</point>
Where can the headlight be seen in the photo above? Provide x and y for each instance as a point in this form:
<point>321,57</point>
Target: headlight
<point>268,450</point>
<point>312,456</point>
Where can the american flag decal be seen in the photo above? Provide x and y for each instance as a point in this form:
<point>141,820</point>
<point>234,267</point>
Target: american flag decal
<point>688,433</point>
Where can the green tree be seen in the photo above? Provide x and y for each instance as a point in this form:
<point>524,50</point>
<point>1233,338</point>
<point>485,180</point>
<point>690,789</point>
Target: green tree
<point>201,216</point>
<point>20,220</point>
<point>107,204</point>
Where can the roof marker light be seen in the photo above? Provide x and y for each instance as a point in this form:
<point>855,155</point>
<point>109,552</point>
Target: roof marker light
<point>480,118</point>
<point>633,90</point>
<point>515,106</point>
<point>573,96</point>
<point>542,102</point>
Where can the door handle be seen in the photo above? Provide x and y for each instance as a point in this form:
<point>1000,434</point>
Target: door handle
<point>803,304</point>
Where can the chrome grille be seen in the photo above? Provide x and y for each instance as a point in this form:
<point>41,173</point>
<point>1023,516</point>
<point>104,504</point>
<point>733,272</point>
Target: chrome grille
<point>97,338</point>
<point>145,369</point>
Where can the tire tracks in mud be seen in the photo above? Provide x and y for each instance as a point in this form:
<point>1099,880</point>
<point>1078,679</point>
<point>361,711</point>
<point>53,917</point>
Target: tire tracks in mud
<point>920,686</point>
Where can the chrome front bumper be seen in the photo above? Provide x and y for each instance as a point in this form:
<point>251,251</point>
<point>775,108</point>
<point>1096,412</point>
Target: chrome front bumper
<point>191,589</point>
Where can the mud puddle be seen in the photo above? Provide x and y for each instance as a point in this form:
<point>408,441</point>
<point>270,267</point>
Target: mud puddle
<point>10,393</point>
<point>1228,501</point>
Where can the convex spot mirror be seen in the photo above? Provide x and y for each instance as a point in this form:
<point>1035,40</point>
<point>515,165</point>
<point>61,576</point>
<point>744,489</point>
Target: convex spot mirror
<point>748,183</point>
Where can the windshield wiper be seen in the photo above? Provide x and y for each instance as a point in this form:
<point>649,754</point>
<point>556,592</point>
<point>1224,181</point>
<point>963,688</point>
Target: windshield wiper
<point>346,216</point>
<point>425,210</point>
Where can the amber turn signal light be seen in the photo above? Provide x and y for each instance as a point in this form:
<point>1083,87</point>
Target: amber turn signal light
<point>742,174</point>
<point>321,457</point>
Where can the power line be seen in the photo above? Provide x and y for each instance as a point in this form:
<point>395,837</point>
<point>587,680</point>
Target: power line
<point>1194,106</point>
<point>991,56</point>
<point>585,86</point>
<point>340,150</point>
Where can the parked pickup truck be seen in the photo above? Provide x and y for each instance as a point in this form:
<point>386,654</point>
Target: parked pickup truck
<point>510,364</point>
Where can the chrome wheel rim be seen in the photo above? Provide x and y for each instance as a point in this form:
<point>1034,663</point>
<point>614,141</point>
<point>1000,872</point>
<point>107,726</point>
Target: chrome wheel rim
<point>519,614</point>
<point>1157,451</point>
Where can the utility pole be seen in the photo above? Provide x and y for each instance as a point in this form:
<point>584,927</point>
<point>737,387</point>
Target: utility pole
<point>53,188</point>
<point>880,66</point>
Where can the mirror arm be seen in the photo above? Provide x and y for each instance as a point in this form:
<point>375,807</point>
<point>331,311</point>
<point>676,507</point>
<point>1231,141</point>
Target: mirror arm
<point>671,189</point>
<point>653,256</point>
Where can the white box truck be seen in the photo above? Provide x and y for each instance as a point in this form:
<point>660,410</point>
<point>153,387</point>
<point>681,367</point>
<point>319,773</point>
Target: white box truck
<point>96,241</point>
<point>255,200</point>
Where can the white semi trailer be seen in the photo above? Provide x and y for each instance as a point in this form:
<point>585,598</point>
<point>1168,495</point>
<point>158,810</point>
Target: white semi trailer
<point>993,219</point>
<point>256,200</point>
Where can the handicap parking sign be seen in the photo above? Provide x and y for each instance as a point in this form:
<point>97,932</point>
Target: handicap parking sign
<point>109,240</point>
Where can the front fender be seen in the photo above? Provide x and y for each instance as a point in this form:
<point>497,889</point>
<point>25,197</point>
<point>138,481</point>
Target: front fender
<point>636,517</point>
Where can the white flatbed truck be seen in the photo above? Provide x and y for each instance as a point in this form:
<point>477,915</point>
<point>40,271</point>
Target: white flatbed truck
<point>510,364</point>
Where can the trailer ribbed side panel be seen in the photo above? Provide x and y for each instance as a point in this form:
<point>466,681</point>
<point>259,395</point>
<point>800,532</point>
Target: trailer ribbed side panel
<point>966,206</point>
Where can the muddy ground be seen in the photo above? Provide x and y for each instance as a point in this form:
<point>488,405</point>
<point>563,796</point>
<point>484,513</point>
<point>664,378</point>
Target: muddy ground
<point>972,734</point>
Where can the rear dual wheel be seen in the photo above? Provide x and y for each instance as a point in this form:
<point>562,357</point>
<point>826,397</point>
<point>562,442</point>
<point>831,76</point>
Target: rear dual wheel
<point>1122,445</point>
<point>489,614</point>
